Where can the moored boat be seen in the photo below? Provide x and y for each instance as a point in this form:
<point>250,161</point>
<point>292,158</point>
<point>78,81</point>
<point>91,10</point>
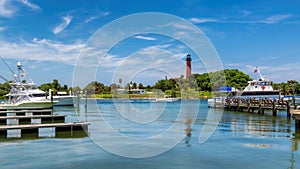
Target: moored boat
<point>24,93</point>
<point>63,98</point>
<point>256,89</point>
<point>167,98</point>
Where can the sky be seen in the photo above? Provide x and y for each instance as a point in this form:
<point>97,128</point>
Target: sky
<point>79,41</point>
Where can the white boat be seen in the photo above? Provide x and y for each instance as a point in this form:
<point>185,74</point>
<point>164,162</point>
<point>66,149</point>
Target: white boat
<point>256,89</point>
<point>260,89</point>
<point>24,93</point>
<point>63,98</point>
<point>166,99</point>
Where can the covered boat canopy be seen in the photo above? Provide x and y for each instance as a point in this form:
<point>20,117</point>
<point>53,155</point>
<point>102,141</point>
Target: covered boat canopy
<point>224,89</point>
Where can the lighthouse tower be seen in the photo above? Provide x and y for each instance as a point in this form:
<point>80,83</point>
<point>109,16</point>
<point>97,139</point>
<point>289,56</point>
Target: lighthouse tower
<point>188,65</point>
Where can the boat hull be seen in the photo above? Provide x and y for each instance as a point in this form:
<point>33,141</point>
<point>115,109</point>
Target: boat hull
<point>28,105</point>
<point>65,100</point>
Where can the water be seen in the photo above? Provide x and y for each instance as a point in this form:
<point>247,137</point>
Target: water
<point>241,140</point>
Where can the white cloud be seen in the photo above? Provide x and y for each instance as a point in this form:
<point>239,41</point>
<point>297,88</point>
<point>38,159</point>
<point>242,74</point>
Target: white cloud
<point>182,27</point>
<point>99,15</point>
<point>42,50</point>
<point>91,19</point>
<point>269,20</point>
<point>246,13</point>
<point>105,13</point>
<point>276,19</point>
<point>203,20</point>
<point>66,21</point>
<point>145,37</point>
<point>159,57</point>
<point>6,10</point>
<point>2,29</point>
<point>30,5</point>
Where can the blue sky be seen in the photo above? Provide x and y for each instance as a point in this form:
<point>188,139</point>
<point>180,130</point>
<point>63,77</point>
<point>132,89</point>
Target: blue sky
<point>48,36</point>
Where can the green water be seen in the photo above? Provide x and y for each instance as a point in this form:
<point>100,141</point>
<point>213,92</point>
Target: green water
<point>241,140</point>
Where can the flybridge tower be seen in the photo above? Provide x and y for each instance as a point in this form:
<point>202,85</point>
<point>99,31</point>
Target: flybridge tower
<point>188,65</point>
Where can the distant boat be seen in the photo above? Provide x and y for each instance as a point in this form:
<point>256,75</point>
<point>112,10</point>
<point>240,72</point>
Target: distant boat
<point>24,93</point>
<point>167,98</point>
<point>63,98</point>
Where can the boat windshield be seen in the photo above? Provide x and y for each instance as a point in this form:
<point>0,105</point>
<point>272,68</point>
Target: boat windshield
<point>39,95</point>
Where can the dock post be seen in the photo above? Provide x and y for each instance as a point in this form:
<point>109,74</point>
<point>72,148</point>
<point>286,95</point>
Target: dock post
<point>229,105</point>
<point>51,93</point>
<point>274,108</point>
<point>215,102</point>
<point>248,105</point>
<point>296,117</point>
<point>288,110</point>
<point>297,124</point>
<point>85,106</point>
<point>238,104</point>
<point>78,98</point>
<point>259,107</point>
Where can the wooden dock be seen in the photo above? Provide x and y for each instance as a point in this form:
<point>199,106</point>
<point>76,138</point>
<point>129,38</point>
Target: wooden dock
<point>31,121</point>
<point>28,111</point>
<point>260,106</point>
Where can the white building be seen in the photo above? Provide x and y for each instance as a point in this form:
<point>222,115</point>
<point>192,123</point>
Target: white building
<point>133,91</point>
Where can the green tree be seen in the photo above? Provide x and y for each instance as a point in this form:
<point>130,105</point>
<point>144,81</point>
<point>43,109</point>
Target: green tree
<point>75,90</point>
<point>134,85</point>
<point>141,86</point>
<point>4,89</point>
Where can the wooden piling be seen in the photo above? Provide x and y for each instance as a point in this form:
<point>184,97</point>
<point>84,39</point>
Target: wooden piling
<point>238,104</point>
<point>274,108</point>
<point>296,117</point>
<point>288,109</point>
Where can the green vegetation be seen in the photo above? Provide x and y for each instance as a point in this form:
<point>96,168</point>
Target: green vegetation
<point>4,89</point>
<point>54,86</point>
<point>196,86</point>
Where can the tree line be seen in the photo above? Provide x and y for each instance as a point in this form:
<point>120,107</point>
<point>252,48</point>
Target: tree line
<point>204,83</point>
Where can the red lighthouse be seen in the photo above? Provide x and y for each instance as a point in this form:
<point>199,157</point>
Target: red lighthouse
<point>188,65</point>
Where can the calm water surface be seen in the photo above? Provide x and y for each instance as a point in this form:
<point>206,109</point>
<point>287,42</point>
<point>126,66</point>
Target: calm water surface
<point>241,140</point>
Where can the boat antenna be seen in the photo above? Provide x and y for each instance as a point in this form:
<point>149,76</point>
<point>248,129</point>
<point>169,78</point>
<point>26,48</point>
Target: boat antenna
<point>258,71</point>
<point>22,73</point>
<point>14,74</point>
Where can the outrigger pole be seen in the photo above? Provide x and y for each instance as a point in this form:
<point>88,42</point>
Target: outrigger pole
<point>9,68</point>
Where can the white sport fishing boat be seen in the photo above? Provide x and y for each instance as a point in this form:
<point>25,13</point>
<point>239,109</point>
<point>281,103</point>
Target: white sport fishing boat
<point>24,93</point>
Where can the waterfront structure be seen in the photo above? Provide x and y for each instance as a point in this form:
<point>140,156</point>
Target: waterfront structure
<point>32,121</point>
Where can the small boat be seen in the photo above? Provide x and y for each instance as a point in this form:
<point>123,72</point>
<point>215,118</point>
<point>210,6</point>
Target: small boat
<point>167,98</point>
<point>63,98</point>
<point>24,93</point>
